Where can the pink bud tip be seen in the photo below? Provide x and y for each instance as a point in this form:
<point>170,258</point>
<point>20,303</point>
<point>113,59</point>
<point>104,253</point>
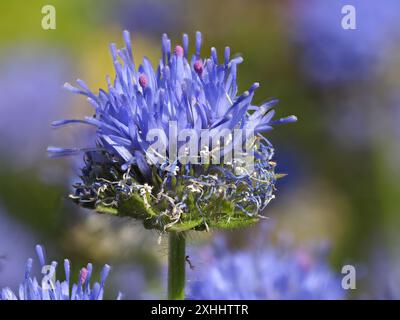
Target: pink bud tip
<point>143,80</point>
<point>83,275</point>
<point>179,51</point>
<point>198,67</point>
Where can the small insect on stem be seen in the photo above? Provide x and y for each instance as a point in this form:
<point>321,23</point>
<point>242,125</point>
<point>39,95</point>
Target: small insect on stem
<point>187,258</point>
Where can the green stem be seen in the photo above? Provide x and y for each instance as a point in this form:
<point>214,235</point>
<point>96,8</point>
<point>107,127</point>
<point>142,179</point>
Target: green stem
<point>176,266</point>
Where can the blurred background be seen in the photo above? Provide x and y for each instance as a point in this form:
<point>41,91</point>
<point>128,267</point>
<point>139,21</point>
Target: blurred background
<point>341,157</point>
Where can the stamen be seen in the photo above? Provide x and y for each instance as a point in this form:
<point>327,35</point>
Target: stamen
<point>143,80</point>
<point>178,51</point>
<point>198,67</point>
<point>83,275</point>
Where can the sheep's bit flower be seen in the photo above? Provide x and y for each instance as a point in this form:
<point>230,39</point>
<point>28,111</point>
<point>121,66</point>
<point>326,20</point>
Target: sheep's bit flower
<point>124,175</point>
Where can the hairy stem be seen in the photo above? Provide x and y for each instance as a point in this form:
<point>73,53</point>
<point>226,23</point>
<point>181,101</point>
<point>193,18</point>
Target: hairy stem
<point>176,266</point>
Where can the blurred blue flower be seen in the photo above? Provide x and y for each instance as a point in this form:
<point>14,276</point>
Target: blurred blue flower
<point>135,284</point>
<point>30,289</point>
<point>266,273</point>
<point>15,244</point>
<point>333,55</point>
<point>31,80</point>
<point>382,273</point>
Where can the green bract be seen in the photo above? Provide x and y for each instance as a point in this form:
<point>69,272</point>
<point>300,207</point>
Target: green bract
<point>211,198</point>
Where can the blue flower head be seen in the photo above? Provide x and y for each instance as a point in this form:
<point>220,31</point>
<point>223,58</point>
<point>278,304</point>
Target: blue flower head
<point>164,142</point>
<point>52,289</point>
